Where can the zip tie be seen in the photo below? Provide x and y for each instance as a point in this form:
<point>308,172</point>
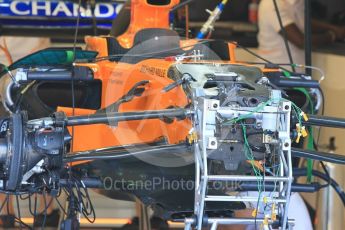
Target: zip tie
<point>273,214</point>
<point>254,213</point>
<point>304,115</point>
<point>304,131</point>
<point>192,137</point>
<point>298,127</point>
<point>298,138</point>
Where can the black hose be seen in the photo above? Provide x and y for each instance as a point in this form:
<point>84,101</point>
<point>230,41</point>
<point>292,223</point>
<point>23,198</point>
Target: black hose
<point>320,156</point>
<point>259,57</point>
<point>88,182</point>
<point>331,122</point>
<point>300,83</point>
<point>182,4</point>
<point>270,187</point>
<point>78,73</point>
<point>303,171</point>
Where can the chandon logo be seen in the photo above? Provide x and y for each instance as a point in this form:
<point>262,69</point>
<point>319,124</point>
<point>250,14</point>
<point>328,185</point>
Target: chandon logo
<point>50,8</point>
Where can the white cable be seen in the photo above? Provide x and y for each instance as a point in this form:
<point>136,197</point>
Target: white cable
<point>322,73</point>
<point>319,99</point>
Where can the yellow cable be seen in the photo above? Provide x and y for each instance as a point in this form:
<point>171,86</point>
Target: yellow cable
<point>225,1</point>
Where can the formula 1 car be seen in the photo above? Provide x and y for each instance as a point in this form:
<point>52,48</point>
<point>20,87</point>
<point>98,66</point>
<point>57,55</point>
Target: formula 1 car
<point>179,124</point>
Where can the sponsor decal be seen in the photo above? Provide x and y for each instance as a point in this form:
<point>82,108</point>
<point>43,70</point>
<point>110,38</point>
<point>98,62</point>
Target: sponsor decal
<point>40,8</point>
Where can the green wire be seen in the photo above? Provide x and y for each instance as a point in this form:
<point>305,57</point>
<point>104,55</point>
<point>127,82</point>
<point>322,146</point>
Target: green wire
<point>5,67</point>
<point>250,157</point>
<point>248,151</point>
<point>286,73</point>
<point>310,143</point>
<point>69,56</point>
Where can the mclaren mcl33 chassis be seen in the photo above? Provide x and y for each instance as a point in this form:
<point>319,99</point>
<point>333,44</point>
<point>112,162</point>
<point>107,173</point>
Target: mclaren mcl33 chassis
<point>187,130</point>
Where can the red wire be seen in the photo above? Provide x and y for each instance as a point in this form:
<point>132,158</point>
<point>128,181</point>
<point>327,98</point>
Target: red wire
<point>187,21</point>
<point>4,48</point>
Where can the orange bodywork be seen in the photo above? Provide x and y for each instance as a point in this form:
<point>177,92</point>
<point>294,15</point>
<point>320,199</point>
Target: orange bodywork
<point>118,78</point>
<point>145,15</point>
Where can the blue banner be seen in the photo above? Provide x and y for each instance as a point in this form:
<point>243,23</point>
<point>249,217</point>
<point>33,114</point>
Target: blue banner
<point>54,13</point>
